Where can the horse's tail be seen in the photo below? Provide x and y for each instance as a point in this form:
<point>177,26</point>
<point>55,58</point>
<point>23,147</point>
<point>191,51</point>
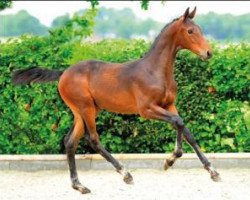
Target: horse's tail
<point>35,75</point>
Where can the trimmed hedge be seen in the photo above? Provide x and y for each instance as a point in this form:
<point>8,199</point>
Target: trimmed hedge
<point>212,99</point>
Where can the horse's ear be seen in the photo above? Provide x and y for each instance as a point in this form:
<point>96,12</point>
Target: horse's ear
<point>192,14</point>
<point>186,14</point>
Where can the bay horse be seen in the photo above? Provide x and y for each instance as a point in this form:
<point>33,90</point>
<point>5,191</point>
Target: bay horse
<point>145,87</point>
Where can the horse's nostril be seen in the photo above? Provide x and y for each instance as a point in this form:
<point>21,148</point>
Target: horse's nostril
<point>209,54</point>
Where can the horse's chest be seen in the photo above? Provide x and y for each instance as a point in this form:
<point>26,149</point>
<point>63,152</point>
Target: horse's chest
<point>164,94</point>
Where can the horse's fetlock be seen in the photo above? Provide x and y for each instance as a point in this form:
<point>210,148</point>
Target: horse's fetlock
<point>178,153</point>
<point>207,165</point>
<point>169,162</point>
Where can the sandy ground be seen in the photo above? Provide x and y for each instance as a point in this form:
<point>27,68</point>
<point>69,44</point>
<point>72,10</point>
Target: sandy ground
<point>108,185</point>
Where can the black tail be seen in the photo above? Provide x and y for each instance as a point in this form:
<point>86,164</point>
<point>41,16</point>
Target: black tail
<point>35,75</point>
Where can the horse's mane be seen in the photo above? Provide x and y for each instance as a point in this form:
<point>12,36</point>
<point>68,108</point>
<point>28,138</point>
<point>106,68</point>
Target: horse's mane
<point>158,37</point>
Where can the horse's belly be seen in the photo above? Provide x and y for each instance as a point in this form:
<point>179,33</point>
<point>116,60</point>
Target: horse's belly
<point>111,92</point>
<point>116,103</point>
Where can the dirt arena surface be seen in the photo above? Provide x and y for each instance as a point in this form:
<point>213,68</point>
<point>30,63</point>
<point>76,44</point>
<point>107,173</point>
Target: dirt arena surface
<point>108,185</point>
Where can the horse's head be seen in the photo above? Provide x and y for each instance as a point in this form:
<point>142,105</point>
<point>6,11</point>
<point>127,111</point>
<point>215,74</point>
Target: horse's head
<point>189,36</point>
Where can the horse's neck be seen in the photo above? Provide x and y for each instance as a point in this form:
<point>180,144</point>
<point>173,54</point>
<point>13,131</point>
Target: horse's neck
<point>162,58</point>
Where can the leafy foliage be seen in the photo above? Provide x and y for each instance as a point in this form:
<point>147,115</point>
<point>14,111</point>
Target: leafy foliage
<point>5,4</point>
<point>17,106</point>
<point>144,3</point>
<point>34,119</point>
<point>230,70</point>
<point>75,29</point>
<point>93,3</point>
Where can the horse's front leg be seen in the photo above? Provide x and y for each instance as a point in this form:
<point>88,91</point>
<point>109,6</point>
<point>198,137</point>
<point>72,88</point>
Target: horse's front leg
<point>207,165</point>
<point>156,112</point>
<point>177,152</point>
<point>178,144</point>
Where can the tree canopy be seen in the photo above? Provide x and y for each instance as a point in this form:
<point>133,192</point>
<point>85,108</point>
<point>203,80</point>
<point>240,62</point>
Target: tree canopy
<point>60,21</point>
<point>123,23</point>
<point>20,23</point>
<point>226,26</point>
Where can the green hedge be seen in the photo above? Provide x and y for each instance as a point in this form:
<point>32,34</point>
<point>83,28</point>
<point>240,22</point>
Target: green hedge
<point>212,99</point>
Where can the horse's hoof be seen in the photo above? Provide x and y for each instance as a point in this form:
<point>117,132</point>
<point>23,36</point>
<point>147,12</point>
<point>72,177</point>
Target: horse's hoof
<point>166,166</point>
<point>215,176</point>
<point>168,163</point>
<point>81,188</point>
<point>128,178</point>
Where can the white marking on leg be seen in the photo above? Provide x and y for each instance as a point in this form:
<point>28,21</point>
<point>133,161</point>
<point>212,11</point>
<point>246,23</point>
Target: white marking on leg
<point>127,178</point>
<point>123,171</point>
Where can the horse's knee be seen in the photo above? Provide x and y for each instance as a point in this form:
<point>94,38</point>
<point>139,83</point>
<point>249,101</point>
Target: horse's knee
<point>94,139</point>
<point>177,121</point>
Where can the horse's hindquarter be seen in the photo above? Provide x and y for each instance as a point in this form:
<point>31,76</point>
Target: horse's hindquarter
<point>111,90</point>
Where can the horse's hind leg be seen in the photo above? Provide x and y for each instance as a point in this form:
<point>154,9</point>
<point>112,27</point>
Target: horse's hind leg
<point>92,137</point>
<point>71,141</point>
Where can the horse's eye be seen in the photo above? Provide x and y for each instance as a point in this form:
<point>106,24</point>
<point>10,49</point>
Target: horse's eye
<point>190,31</point>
